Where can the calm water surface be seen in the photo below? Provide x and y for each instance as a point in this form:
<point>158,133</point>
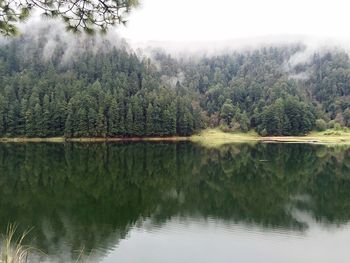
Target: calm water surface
<point>161,202</point>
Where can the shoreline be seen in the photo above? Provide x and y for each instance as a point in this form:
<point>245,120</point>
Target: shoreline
<point>209,137</point>
<point>93,139</point>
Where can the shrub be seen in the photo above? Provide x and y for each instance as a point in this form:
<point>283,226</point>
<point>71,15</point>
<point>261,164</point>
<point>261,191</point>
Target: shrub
<point>331,124</point>
<point>337,127</point>
<point>263,132</point>
<point>321,125</point>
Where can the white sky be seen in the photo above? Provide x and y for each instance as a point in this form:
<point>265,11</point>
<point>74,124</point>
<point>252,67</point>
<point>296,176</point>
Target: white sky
<point>216,20</point>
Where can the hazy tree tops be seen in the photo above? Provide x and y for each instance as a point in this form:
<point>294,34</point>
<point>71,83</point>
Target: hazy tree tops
<point>109,91</point>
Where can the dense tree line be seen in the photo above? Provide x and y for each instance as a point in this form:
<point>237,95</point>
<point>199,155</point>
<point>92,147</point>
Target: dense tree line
<point>267,90</point>
<point>110,92</point>
<point>101,90</point>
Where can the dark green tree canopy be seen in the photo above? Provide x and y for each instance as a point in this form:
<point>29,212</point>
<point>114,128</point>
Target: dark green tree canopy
<point>78,15</point>
<point>105,91</point>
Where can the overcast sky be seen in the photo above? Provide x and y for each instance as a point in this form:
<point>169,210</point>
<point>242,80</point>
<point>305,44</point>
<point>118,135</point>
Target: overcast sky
<point>216,20</point>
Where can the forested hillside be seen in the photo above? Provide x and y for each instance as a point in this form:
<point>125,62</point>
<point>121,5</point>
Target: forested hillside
<point>98,91</point>
<point>265,89</point>
<point>103,90</point>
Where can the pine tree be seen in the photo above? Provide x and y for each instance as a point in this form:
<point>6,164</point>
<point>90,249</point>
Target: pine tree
<point>38,121</point>
<point>69,124</point>
<point>102,123</point>
<point>113,119</point>
<point>2,112</point>
<point>129,122</point>
<point>244,122</point>
<point>150,120</point>
<point>169,118</point>
<point>138,127</point>
<point>82,128</point>
<point>93,123</point>
<point>46,117</point>
<point>227,111</point>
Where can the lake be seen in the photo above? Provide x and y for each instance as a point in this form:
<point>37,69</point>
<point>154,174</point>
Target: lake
<point>178,202</point>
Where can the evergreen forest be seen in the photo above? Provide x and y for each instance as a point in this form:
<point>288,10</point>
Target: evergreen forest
<point>99,89</point>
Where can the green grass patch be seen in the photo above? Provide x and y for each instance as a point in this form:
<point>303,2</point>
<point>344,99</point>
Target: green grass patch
<point>217,138</point>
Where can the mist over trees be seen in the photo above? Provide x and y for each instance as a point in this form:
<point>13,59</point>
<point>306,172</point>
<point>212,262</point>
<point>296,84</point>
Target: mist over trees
<point>264,89</point>
<point>107,91</point>
<point>100,91</point>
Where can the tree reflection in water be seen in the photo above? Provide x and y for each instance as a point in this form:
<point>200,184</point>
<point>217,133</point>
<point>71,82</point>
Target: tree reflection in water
<point>89,195</point>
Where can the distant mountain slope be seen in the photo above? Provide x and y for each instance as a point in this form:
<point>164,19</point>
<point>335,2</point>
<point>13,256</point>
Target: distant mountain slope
<point>88,87</point>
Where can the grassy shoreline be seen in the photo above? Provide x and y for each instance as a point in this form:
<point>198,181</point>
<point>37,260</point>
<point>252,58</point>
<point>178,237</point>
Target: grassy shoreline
<point>208,137</point>
<point>215,137</point>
